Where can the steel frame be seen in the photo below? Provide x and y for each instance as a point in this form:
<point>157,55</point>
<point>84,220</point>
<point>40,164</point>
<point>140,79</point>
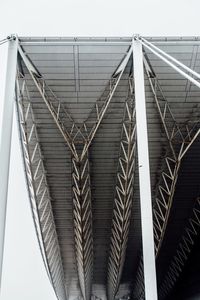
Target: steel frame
<point>40,199</point>
<point>183,251</point>
<point>123,196</point>
<point>78,139</point>
<point>74,135</point>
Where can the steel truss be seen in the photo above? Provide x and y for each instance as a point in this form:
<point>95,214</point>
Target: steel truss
<point>164,199</point>
<point>180,138</point>
<point>183,251</point>
<point>79,138</point>
<point>83,224</point>
<point>123,196</point>
<point>39,192</point>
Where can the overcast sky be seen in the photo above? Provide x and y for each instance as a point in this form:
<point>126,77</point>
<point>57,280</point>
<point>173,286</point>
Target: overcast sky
<point>24,276</point>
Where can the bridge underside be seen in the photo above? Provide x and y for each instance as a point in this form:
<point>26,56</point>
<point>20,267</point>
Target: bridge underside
<point>76,113</point>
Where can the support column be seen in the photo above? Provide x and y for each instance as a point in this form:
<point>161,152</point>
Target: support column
<point>6,134</point>
<point>144,176</point>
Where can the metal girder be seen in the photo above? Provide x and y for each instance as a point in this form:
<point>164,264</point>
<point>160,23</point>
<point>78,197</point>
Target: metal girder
<point>39,195</point>
<point>182,252</point>
<point>82,210</point>
<point>123,197</point>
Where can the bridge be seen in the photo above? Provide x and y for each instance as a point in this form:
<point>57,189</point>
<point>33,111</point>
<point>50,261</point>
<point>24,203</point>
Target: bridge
<point>109,131</point>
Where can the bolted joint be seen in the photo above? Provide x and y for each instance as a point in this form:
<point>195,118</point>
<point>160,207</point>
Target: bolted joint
<point>11,37</point>
<point>136,37</point>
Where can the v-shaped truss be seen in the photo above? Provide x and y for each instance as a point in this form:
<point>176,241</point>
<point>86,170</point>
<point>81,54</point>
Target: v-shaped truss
<point>78,139</point>
<point>180,138</point>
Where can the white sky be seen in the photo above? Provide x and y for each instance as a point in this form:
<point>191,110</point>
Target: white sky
<point>24,276</point>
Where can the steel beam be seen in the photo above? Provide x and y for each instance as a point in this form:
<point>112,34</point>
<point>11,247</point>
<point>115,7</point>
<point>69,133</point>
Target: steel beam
<point>6,133</point>
<point>144,176</point>
<point>123,198</point>
<point>39,195</point>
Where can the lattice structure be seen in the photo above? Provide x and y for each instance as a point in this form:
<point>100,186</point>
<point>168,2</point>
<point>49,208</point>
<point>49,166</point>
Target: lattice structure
<point>72,133</point>
<point>79,137</point>
<point>64,90</point>
<point>163,200</point>
<point>180,138</point>
<point>83,223</point>
<point>123,199</point>
<point>39,192</point>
